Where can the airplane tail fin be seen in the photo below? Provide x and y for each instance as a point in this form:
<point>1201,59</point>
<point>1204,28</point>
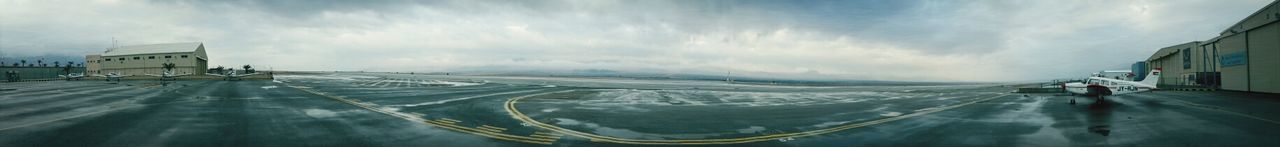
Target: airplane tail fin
<point>1153,78</point>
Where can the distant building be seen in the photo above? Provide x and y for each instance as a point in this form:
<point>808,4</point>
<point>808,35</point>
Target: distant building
<point>1244,57</point>
<point>1183,65</point>
<point>1139,71</point>
<point>1248,53</point>
<point>148,59</point>
<point>92,64</point>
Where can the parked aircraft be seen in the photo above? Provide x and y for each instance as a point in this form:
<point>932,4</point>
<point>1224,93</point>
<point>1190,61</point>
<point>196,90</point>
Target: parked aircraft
<point>231,75</point>
<point>113,76</point>
<point>168,75</point>
<point>72,76</point>
<point>1100,86</point>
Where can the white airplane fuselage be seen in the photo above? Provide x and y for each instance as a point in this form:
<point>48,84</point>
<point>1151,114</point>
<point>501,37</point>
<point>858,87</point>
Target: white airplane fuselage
<point>1099,86</point>
<point>72,76</point>
<point>112,76</point>
<point>1095,87</point>
<point>168,75</point>
<point>232,75</point>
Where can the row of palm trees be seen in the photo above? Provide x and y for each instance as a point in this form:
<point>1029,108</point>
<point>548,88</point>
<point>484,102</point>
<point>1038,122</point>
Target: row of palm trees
<point>41,63</point>
<point>246,68</point>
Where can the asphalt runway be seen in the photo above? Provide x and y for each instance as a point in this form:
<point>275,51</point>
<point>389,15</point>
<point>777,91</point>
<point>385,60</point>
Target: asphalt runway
<point>367,109</point>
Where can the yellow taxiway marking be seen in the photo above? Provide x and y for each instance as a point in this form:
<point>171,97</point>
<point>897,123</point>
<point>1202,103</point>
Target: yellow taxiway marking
<point>511,108</point>
<point>450,120</point>
<point>548,134</point>
<point>492,127</point>
<point>545,136</point>
<point>491,135</point>
<point>483,128</point>
<point>445,123</point>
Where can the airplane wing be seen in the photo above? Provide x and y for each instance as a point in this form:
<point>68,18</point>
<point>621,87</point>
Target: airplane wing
<point>1107,79</point>
<point>154,75</point>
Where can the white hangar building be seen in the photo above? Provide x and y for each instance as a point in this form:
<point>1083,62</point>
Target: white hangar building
<point>149,59</point>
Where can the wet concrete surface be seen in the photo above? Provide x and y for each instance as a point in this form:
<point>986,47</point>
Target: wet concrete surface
<point>199,113</point>
<point>387,109</point>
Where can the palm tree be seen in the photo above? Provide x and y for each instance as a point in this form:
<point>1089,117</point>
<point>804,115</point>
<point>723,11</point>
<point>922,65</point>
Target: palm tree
<point>24,62</point>
<point>218,70</point>
<point>66,69</point>
<point>57,63</point>
<point>248,69</point>
<point>168,66</point>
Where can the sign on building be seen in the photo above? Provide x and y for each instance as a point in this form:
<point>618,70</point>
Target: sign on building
<point>1233,59</point>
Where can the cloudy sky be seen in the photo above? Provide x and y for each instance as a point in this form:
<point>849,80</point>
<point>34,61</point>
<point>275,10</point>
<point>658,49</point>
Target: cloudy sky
<point>871,40</point>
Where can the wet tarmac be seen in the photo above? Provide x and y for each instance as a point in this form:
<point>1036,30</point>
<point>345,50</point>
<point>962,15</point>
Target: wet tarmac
<point>357,109</point>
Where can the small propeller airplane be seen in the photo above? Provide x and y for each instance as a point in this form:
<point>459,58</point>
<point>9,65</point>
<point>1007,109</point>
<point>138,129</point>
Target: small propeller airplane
<point>231,75</point>
<point>168,72</point>
<point>1099,87</point>
<point>72,76</point>
<point>168,75</point>
<point>113,76</point>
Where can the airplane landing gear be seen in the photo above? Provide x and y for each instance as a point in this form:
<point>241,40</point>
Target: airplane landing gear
<point>1099,100</point>
<point>1073,101</point>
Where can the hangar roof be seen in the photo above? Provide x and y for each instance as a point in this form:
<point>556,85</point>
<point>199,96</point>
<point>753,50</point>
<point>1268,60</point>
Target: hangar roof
<point>154,49</point>
<point>1166,51</point>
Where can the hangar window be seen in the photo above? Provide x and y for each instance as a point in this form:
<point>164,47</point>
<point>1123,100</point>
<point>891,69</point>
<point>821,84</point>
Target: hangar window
<point>167,57</point>
<point>1186,58</point>
<point>108,59</point>
<point>151,57</point>
<point>137,58</point>
<point>184,56</point>
<point>121,59</point>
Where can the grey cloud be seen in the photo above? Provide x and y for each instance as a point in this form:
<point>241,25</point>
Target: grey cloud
<point>879,40</point>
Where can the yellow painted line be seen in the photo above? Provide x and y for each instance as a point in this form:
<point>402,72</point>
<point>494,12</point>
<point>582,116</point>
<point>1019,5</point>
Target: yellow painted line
<point>493,128</point>
<point>493,135</point>
<point>488,129</point>
<point>511,103</point>
<point>549,134</point>
<point>545,136</point>
<point>442,123</point>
